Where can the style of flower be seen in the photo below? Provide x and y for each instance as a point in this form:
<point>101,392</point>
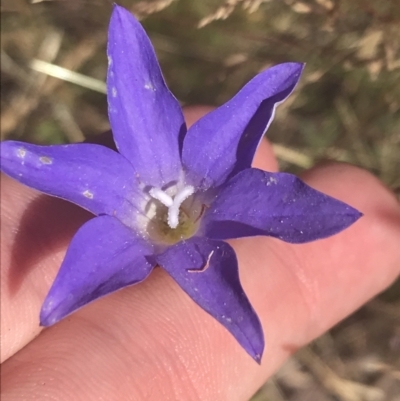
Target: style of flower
<point>171,196</point>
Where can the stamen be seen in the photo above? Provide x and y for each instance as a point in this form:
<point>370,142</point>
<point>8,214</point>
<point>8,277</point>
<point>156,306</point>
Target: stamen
<point>173,210</point>
<point>160,195</point>
<point>203,208</point>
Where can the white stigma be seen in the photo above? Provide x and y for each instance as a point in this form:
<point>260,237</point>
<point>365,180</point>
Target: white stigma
<point>160,195</point>
<point>173,211</point>
<point>174,204</point>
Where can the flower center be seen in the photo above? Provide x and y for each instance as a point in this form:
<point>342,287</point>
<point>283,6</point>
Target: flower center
<point>173,204</point>
<point>174,217</point>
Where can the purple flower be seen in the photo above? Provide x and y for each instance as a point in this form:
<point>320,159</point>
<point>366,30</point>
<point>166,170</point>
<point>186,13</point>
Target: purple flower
<point>171,196</point>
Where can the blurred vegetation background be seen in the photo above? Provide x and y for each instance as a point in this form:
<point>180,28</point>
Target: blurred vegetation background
<point>346,108</point>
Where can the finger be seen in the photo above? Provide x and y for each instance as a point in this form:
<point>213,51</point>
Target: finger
<point>35,232</point>
<point>150,341</point>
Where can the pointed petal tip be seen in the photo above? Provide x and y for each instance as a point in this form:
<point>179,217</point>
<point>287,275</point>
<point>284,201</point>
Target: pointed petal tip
<point>354,216</point>
<point>216,289</point>
<point>296,214</point>
<point>47,321</point>
<point>257,352</point>
<point>294,68</point>
<point>121,15</point>
<point>48,313</point>
<point>255,344</point>
<point>119,9</point>
<point>298,65</point>
<point>293,71</point>
<point>357,214</point>
<point>257,358</point>
<point>142,111</point>
<point>95,265</point>
<point>289,73</point>
<point>301,67</point>
<point>350,214</point>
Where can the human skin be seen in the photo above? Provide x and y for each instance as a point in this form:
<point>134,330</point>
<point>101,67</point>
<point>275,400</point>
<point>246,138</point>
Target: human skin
<point>151,341</point>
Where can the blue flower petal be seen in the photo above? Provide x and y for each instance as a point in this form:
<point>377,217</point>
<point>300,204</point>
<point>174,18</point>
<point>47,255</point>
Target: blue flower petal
<point>145,117</point>
<point>208,272</point>
<point>103,257</point>
<point>224,141</point>
<point>91,176</point>
<point>280,205</point>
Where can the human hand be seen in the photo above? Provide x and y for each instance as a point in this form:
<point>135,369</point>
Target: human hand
<point>151,341</point>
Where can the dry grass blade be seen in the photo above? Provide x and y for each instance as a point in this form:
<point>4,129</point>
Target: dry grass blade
<point>67,75</point>
<point>223,12</point>
<point>351,123</point>
<point>67,122</point>
<point>292,156</point>
<point>20,108</point>
<point>27,99</point>
<point>346,390</point>
<point>144,8</point>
